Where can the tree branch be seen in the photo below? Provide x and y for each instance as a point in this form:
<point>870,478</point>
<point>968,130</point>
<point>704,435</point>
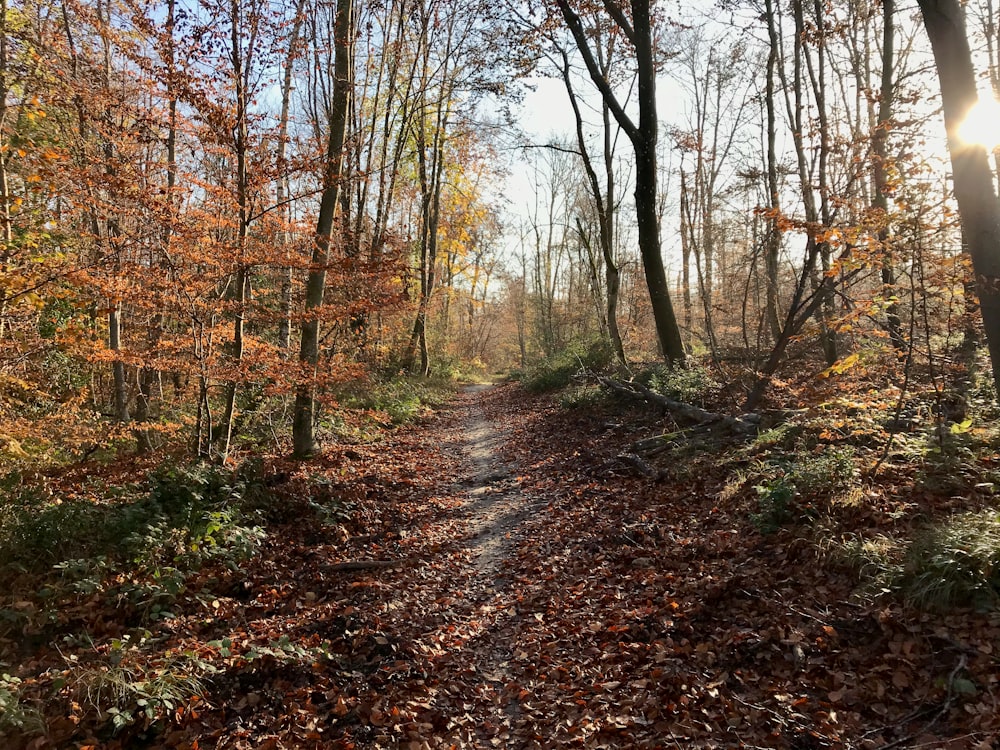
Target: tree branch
<point>614,10</point>
<point>579,35</point>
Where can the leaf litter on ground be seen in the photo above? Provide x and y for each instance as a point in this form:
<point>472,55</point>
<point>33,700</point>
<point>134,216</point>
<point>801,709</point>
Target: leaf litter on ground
<point>612,611</point>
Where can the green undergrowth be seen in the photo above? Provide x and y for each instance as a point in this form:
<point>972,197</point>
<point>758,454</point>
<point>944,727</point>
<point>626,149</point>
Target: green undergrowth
<point>559,370</point>
<point>955,562</point>
<point>136,547</point>
<point>903,495</point>
<point>950,563</point>
<point>692,384</point>
<point>148,552</point>
<point>397,399</point>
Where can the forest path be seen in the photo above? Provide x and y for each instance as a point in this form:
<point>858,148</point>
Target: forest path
<point>496,506</point>
<point>472,646</point>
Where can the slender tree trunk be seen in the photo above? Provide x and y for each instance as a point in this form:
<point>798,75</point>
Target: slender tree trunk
<point>285,324</point>
<point>304,443</point>
<point>644,138</point>
<point>242,276</point>
<point>148,374</point>
<point>773,242</point>
<point>612,275</point>
<point>686,263</point>
<point>110,235</point>
<point>118,367</point>
<point>647,218</point>
<point>815,71</point>
<point>880,199</point>
<point>6,226</point>
<point>604,205</point>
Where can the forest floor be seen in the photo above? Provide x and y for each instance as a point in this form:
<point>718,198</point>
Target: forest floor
<point>495,575</point>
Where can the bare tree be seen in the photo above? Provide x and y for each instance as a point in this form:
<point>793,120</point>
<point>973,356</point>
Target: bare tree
<point>638,30</point>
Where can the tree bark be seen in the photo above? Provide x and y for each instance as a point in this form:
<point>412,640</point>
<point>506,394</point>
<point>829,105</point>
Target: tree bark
<point>241,146</point>
<point>304,443</point>
<point>281,180</point>
<point>975,193</point>
<point>644,137</point>
<point>773,242</point>
<point>604,204</point>
<point>880,199</point>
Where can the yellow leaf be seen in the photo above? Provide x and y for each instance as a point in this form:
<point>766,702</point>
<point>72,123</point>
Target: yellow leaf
<point>840,366</point>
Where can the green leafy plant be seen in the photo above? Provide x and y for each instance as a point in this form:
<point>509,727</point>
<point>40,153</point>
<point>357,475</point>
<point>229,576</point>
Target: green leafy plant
<point>584,396</point>
<point>124,687</point>
<point>138,551</point>
<point>328,506</point>
<point>774,503</point>
<point>558,371</point>
<point>400,398</point>
<point>789,487</point>
<point>693,384</point>
<point>14,715</point>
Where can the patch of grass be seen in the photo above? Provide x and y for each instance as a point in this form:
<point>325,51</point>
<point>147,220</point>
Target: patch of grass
<point>876,560</point>
<point>955,563</point>
<point>788,489</point>
<point>402,398</point>
<point>583,396</point>
<point>124,688</point>
<point>779,436</point>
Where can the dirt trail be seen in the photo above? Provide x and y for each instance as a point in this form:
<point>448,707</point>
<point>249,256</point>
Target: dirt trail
<point>496,506</point>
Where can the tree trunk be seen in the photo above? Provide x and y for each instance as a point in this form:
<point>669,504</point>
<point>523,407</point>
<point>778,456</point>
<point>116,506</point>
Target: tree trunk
<point>978,205</point>
<point>304,443</point>
<point>281,179</point>
<point>880,199</point>
<point>6,227</point>
<point>773,242</point>
<point>604,204</point>
<point>118,367</point>
<point>647,218</point>
<point>643,137</point>
<point>148,374</point>
<point>242,276</point>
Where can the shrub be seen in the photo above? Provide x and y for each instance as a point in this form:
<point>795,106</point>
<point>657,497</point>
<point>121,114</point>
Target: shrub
<point>774,505</point>
<point>582,397</point>
<point>151,545</point>
<point>692,384</point>
<point>124,688</point>
<point>401,398</point>
<point>789,487</point>
<point>15,716</point>
<point>558,371</point>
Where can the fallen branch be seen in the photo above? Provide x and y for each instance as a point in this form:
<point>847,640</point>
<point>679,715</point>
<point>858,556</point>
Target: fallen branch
<point>745,424</point>
<point>641,466</point>
<point>354,565</point>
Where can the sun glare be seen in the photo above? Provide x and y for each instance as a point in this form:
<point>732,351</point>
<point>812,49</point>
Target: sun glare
<point>981,125</point>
